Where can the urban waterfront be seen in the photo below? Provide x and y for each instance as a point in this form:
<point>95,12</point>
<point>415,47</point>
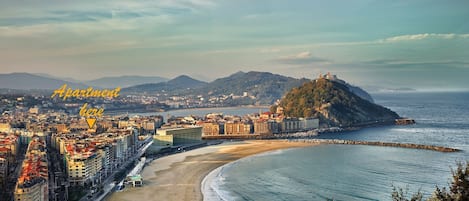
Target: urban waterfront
<point>237,111</point>
<point>346,172</point>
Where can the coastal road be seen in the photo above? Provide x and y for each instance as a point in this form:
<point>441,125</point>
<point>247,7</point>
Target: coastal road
<point>108,183</point>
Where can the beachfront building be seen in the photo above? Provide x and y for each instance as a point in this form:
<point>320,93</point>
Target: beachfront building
<point>266,127</point>
<point>309,123</point>
<point>210,129</point>
<point>134,181</point>
<point>177,136</point>
<point>261,127</point>
<point>33,182</point>
<point>90,158</point>
<point>290,125</point>
<point>238,128</point>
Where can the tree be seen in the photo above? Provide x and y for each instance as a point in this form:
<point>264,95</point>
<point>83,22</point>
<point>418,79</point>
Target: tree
<point>399,194</point>
<point>458,189</point>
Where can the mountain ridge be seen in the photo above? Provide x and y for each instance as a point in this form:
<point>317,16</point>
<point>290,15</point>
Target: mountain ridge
<point>182,82</point>
<point>24,81</point>
<point>125,81</point>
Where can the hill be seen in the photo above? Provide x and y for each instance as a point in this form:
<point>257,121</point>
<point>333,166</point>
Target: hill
<point>263,87</point>
<point>179,84</point>
<point>25,81</point>
<point>354,89</point>
<point>125,81</point>
<point>334,104</point>
<point>241,88</point>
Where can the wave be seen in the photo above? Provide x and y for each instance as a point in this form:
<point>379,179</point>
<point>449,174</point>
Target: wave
<point>211,186</point>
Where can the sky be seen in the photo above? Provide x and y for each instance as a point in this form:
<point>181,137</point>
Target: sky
<point>421,44</point>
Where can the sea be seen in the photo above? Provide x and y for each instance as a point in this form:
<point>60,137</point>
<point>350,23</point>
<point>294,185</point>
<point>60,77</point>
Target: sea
<point>357,172</point>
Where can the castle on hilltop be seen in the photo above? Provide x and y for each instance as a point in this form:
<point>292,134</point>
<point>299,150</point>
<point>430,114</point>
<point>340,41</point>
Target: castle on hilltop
<point>328,76</point>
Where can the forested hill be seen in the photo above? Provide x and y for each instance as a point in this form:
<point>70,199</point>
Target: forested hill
<point>334,104</point>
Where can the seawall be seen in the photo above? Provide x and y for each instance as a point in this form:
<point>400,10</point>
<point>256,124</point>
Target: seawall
<point>384,144</point>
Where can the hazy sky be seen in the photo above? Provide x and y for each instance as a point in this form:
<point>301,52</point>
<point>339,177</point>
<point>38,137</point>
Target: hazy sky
<point>421,44</point>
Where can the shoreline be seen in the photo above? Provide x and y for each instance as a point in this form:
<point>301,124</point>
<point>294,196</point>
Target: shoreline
<point>146,112</point>
<point>211,193</point>
<point>183,176</point>
<point>180,176</point>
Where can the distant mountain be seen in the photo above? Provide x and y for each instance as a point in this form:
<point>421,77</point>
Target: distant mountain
<point>179,84</point>
<point>377,89</point>
<point>240,88</point>
<point>29,81</point>
<point>334,104</point>
<point>68,79</point>
<point>265,87</point>
<point>125,81</point>
<point>184,81</point>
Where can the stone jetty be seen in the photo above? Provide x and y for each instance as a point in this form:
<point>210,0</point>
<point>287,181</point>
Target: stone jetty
<point>374,143</point>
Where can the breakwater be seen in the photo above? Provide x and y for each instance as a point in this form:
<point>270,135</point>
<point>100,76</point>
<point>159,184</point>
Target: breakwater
<point>373,143</point>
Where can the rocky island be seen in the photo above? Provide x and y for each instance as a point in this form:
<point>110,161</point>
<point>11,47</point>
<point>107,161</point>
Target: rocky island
<point>335,103</point>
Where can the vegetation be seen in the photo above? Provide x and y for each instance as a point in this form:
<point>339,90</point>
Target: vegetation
<point>458,189</point>
<point>334,104</point>
<point>265,87</point>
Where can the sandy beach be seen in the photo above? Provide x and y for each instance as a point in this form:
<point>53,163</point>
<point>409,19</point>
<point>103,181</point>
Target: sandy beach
<point>178,177</point>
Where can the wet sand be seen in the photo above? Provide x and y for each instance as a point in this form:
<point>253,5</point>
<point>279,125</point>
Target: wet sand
<point>178,177</point>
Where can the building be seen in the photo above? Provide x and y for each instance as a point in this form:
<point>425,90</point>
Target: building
<point>211,129</point>
<point>178,136</point>
<point>33,182</point>
<point>309,123</point>
<point>3,172</point>
<point>274,126</point>
<point>261,127</point>
<point>134,181</point>
<point>266,127</point>
<point>9,146</point>
<point>34,110</point>
<point>238,128</point>
<point>149,127</point>
<point>5,127</point>
<point>83,166</point>
<point>290,125</point>
<point>123,124</point>
<point>61,128</point>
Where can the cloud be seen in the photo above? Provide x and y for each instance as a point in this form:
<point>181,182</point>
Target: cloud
<point>103,17</point>
<point>424,36</point>
<point>396,63</point>
<point>269,50</point>
<point>84,27</point>
<point>301,58</point>
<point>395,39</point>
<point>192,5</point>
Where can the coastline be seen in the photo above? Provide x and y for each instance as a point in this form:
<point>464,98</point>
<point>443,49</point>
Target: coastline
<point>180,176</point>
<point>150,112</point>
<point>214,193</point>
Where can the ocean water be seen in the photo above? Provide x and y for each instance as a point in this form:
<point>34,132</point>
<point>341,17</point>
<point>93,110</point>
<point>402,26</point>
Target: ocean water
<point>351,172</point>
